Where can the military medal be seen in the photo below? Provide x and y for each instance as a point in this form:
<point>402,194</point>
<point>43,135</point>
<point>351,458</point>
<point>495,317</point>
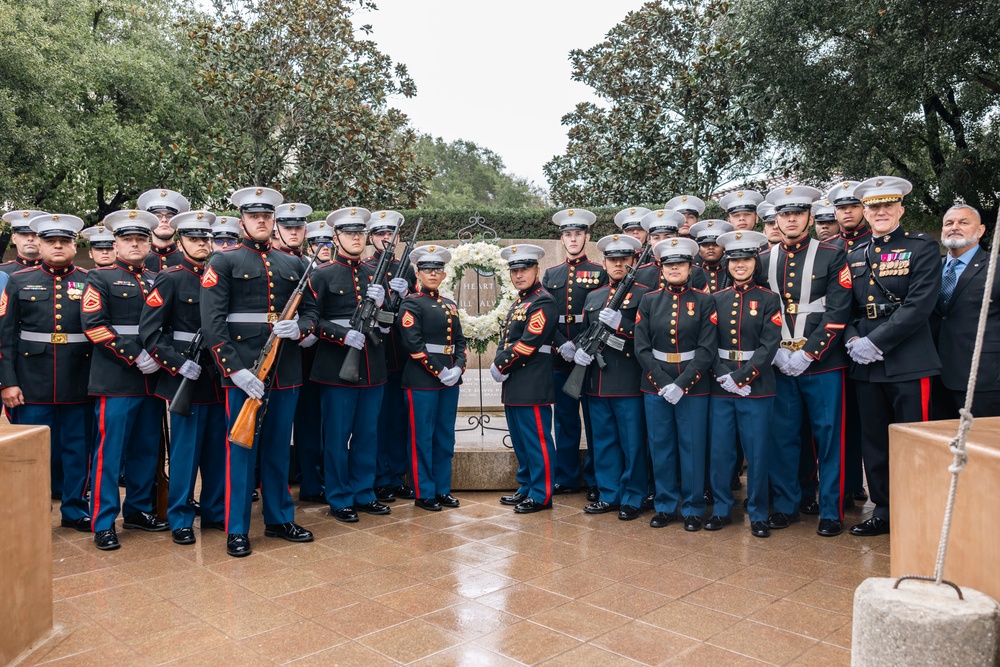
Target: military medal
<point>690,305</point>
<point>753,308</point>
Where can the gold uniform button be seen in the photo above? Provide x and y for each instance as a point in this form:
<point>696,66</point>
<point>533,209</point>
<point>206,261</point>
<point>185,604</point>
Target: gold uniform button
<point>735,341</point>
<point>58,327</point>
<point>58,306</point>
<point>871,298</point>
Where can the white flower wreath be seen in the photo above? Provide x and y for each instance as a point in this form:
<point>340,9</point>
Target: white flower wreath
<point>482,256</point>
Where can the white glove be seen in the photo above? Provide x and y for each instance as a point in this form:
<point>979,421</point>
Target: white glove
<point>385,330</point>
<point>728,383</point>
<point>248,382</point>
<point>190,370</point>
<point>672,393</point>
<point>449,376</point>
<point>581,358</point>
<point>377,294</point>
<point>399,286</point>
<point>497,375</point>
<point>797,363</point>
<point>354,339</point>
<point>781,358</point>
<point>863,351</point>
<point>308,341</point>
<point>611,318</point>
<point>287,329</point>
<point>744,390</point>
<point>567,350</point>
<point>146,363</point>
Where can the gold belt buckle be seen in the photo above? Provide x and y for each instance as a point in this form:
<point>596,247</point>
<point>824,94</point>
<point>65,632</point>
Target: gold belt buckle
<point>792,309</point>
<point>449,349</point>
<point>871,311</point>
<point>272,317</point>
<point>793,345</point>
<point>58,339</point>
<point>570,319</point>
<point>735,355</point>
<point>673,358</point>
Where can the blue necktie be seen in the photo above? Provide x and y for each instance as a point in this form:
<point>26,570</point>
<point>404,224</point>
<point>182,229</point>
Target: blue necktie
<point>949,280</point>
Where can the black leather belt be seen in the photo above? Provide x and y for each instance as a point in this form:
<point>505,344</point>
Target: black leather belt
<point>873,311</point>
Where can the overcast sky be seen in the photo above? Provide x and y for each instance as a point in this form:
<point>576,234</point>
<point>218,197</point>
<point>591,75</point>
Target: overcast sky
<point>496,73</point>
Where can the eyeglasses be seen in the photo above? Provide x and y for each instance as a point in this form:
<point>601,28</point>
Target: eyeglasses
<point>432,272</point>
<point>226,243</point>
<point>323,244</point>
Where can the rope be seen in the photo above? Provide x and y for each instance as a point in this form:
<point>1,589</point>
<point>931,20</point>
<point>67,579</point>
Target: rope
<point>957,445</point>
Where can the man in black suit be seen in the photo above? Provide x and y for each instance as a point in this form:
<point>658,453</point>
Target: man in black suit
<point>956,318</point>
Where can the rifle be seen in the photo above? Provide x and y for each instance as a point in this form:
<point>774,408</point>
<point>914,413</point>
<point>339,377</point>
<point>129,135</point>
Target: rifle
<point>394,298</point>
<point>162,479</point>
<point>598,334</point>
<point>181,403</point>
<point>367,316</point>
<point>245,427</point>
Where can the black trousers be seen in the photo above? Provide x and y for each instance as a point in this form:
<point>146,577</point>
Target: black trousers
<point>945,403</point>
<point>882,404</point>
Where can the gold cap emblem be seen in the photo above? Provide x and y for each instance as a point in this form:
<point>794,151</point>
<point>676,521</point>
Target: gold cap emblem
<point>788,191</point>
<point>25,214</point>
<point>513,249</point>
<point>431,248</point>
<point>710,223</point>
<point>382,215</point>
<point>100,229</point>
<point>739,235</point>
<point>291,207</point>
<point>739,194</point>
<point>200,215</point>
<point>163,193</point>
<point>631,211</point>
<point>674,242</point>
<point>570,213</point>
<point>879,182</point>
<point>132,214</point>
<point>846,185</point>
<point>354,211</point>
<point>259,191</point>
<point>659,214</point>
<point>322,224</point>
<point>684,198</point>
<point>614,238</point>
<point>55,218</point>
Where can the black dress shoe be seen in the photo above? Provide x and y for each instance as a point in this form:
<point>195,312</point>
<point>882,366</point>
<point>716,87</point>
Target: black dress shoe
<point>513,499</point>
<point>144,521</point>
<point>106,540</point>
<point>810,507</point>
<point>345,514</point>
<point>238,546</point>
<point>661,519</point>
<point>429,504</point>
<point>870,528</point>
<point>196,505</point>
<point>647,502</point>
<point>717,522</point>
<point>628,512</point>
<point>448,500</point>
<point>599,507</point>
<point>218,525</point>
<point>404,492</point>
<point>759,529</point>
<point>384,494</point>
<point>830,527</point>
<point>183,536</point>
<point>254,497</point>
<point>529,506</point>
<point>709,497</point>
<point>121,481</point>
<point>593,494</point>
<point>374,507</point>
<point>780,520</point>
<point>692,524</point>
<point>559,489</point>
<point>290,531</point>
<point>308,498</point>
<point>82,524</point>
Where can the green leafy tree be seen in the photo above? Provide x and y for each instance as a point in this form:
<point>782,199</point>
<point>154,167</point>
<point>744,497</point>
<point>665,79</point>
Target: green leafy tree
<point>667,75</point>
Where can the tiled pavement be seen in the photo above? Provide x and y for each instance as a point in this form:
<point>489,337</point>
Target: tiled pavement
<point>477,585</point>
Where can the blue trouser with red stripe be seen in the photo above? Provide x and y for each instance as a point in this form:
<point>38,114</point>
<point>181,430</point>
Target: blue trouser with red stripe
<point>70,426</point>
<point>350,443</point>
<point>127,427</point>
<point>309,439</point>
<point>431,424</point>
<point>751,419</point>
<point>822,396</point>
<point>273,439</point>
<point>620,449</point>
<point>531,434</point>
<point>678,438</point>
<point>567,436</point>
<point>392,456</point>
<point>198,441</point>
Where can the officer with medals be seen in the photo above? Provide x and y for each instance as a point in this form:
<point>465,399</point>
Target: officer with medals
<point>226,232</point>
<point>244,291</point>
<point>101,243</point>
<point>825,221</point>
<point>431,335</point>
<point>705,234</point>
<point>742,399</point>
<point>741,209</point>
<point>569,284</point>
<point>814,283</point>
<point>350,409</point>
<point>164,204</point>
<point>675,344</point>
<point>850,214</point>
<point>290,228</point>
<point>768,217</point>
<point>43,355</point>
<point>615,402</point>
<point>523,363</point>
<point>169,322</point>
<point>123,378</point>
<point>897,283</point>
<point>319,238</point>
<point>690,207</point>
<point>659,225</point>
<point>391,459</point>
<point>24,240</point>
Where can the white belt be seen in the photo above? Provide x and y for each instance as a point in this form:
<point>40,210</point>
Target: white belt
<point>673,357</point>
<point>571,319</point>
<point>53,338</point>
<point>545,349</point>
<point>736,355</point>
<point>255,318</point>
<point>185,336</point>
<point>342,323</point>
<point>126,329</point>
<point>440,349</point>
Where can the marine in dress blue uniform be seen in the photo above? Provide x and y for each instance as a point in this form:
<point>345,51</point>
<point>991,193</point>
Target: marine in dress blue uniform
<point>44,353</point>
<point>431,335</point>
<point>350,410</point>
<point>244,291</point>
<point>226,232</point>
<point>25,241</point>
<point>164,204</point>
<point>523,363</point>
<point>123,378</point>
<point>100,244</point>
<point>569,284</point>
<point>814,284</point>
<point>768,218</point>
<point>690,207</point>
<point>705,233</point>
<point>660,225</point>
<point>748,333</point>
<point>741,209</point>
<point>675,344</point>
<point>169,322</point>
<point>615,402</point>
<point>897,283</point>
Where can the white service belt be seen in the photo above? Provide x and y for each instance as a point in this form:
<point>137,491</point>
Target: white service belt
<point>545,349</point>
<point>255,318</point>
<point>342,323</point>
<point>185,336</point>
<point>817,306</point>
<point>572,319</point>
<point>673,357</point>
<point>53,338</point>
<point>736,355</point>
<point>126,329</point>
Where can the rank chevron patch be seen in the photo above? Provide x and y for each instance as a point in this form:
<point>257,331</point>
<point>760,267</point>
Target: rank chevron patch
<point>536,324</point>
<point>407,320</point>
<point>210,279</point>
<point>91,300</point>
<point>154,300</point>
